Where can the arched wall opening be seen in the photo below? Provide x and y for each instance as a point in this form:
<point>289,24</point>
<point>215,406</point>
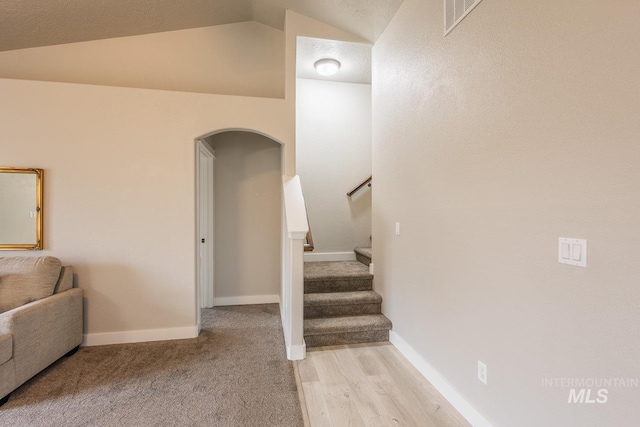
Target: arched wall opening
<point>247,214</point>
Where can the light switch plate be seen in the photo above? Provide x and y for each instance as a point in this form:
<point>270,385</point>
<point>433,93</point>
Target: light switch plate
<point>572,251</point>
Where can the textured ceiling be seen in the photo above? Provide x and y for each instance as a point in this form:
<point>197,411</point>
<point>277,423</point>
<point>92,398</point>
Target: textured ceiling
<point>355,59</point>
<point>31,23</point>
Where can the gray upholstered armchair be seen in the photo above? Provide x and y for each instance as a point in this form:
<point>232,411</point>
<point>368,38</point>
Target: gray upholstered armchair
<point>40,318</point>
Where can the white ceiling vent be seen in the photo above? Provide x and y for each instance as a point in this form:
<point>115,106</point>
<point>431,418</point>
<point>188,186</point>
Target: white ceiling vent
<point>455,11</point>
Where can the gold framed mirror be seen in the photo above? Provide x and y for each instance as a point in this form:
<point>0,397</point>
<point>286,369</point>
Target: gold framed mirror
<point>21,209</point>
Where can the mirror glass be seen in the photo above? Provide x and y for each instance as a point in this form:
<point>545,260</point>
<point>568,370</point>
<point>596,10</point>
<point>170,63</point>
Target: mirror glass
<point>20,209</point>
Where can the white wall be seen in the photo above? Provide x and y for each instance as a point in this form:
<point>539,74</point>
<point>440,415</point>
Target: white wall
<point>333,155</point>
<point>119,193</point>
<point>248,187</point>
<point>236,59</point>
<point>296,26</point>
<point>519,127</point>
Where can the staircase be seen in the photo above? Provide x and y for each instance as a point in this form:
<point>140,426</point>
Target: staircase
<point>340,306</point>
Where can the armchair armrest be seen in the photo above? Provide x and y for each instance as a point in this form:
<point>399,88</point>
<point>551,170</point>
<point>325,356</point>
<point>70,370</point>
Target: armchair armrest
<point>43,331</point>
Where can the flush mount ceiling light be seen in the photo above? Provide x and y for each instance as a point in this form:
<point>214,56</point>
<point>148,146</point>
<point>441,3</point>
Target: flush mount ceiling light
<point>327,66</point>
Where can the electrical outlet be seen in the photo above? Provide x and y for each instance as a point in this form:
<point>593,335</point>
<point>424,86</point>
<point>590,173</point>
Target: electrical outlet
<point>482,372</point>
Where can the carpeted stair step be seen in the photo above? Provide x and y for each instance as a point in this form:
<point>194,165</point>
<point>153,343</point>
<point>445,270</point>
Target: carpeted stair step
<point>363,255</point>
<point>336,276</point>
<point>346,330</point>
<point>337,304</point>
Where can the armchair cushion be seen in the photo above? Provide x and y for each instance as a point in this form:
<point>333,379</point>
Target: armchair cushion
<point>65,282</point>
<point>27,279</point>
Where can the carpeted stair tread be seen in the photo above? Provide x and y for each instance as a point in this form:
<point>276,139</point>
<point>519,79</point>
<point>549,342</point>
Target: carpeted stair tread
<point>335,325</point>
<point>363,255</point>
<point>344,338</point>
<point>342,298</point>
<point>363,251</point>
<point>336,276</point>
<point>327,270</point>
<point>340,304</point>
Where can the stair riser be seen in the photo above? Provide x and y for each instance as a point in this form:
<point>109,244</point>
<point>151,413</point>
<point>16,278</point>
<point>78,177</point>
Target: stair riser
<point>341,338</point>
<point>340,285</point>
<point>363,259</point>
<point>341,310</point>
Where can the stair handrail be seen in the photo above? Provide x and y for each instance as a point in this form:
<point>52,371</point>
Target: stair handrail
<point>366,182</point>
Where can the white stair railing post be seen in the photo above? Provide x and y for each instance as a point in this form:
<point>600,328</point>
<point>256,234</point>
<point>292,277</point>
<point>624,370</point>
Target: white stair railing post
<point>295,228</point>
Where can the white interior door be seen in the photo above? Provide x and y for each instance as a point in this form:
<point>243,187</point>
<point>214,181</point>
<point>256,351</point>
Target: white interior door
<point>206,222</point>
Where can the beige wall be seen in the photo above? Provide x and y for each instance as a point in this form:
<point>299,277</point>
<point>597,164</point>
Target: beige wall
<point>519,127</point>
<point>248,187</point>
<point>333,150</point>
<point>119,197</point>
<point>236,59</point>
<point>119,194</point>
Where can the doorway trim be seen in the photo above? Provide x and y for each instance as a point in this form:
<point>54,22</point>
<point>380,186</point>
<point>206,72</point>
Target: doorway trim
<point>205,227</point>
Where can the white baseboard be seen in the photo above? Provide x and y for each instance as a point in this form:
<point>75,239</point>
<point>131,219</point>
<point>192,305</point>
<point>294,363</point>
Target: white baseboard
<point>441,384</point>
<point>329,256</point>
<point>296,352</point>
<point>124,337</point>
<point>246,300</point>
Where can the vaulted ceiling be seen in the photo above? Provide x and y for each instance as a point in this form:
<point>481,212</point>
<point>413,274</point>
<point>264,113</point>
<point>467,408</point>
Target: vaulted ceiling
<point>31,23</point>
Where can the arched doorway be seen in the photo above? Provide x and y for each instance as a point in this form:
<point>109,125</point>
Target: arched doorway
<point>239,239</point>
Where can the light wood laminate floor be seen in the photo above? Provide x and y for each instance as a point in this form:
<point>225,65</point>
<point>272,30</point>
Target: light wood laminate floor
<point>369,385</point>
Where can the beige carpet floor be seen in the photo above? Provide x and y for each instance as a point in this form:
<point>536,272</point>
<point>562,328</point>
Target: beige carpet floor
<point>234,374</point>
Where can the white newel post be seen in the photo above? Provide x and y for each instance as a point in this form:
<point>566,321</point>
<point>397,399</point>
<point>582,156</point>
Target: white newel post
<point>294,233</point>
